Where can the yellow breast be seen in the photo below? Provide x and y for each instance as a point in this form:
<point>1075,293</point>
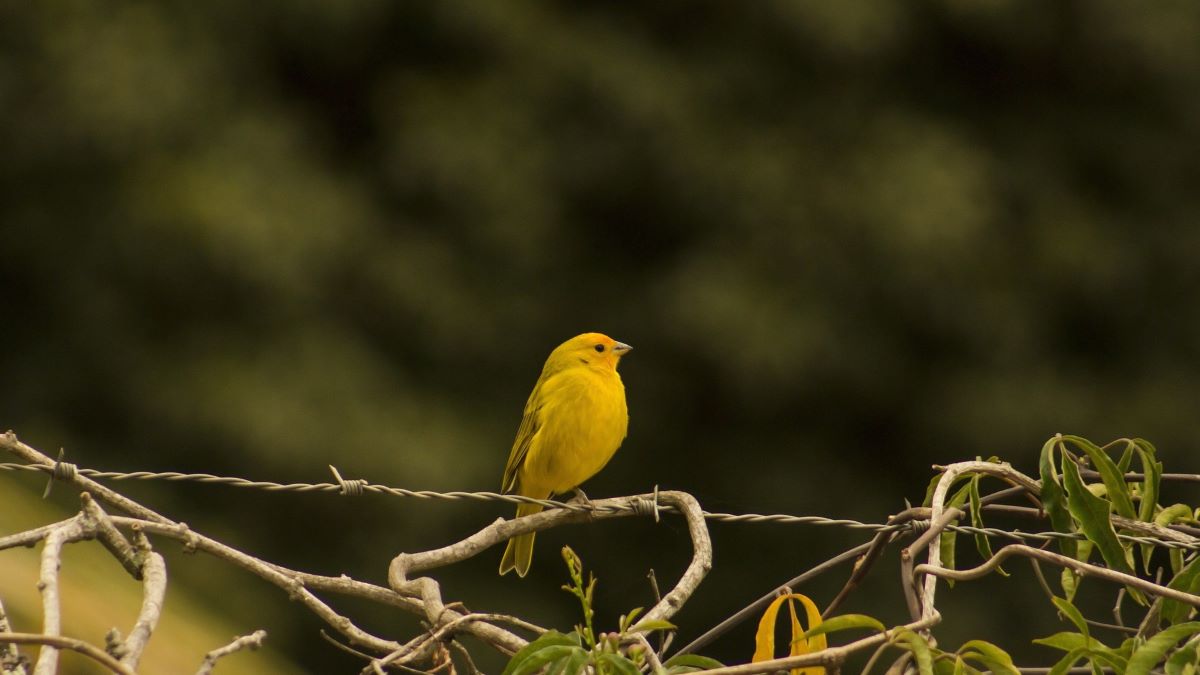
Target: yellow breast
<point>583,420</point>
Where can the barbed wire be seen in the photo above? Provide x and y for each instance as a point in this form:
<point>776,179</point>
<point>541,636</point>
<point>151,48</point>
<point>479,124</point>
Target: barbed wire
<point>357,486</point>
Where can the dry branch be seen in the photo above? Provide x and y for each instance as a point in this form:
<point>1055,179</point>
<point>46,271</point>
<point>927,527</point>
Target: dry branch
<point>56,642</point>
<point>251,641</point>
<point>154,591</point>
<point>1081,568</point>
<point>71,530</point>
<point>429,591</point>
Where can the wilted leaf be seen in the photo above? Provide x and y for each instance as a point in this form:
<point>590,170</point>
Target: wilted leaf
<point>764,638</point>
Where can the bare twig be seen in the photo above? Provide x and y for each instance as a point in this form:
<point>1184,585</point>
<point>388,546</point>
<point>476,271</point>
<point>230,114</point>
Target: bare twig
<point>154,590</point>
<point>1132,477</point>
<point>828,657</point>
<point>863,565</point>
<point>472,669</point>
<point>418,647</point>
<point>1041,579</point>
<point>72,530</point>
<point>31,537</point>
<point>938,504</point>
<point>651,657</point>
<point>429,591</point>
<point>883,647</point>
<point>297,584</point>
<point>11,660</point>
<point>287,580</point>
<point>9,442</point>
<point>1081,568</point>
<point>920,608</point>
<point>251,641</point>
<point>57,642</point>
<point>113,540</point>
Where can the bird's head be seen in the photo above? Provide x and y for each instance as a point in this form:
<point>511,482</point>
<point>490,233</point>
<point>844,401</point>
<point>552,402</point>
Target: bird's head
<point>590,349</point>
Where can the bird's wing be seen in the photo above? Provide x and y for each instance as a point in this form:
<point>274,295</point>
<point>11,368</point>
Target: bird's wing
<point>530,424</point>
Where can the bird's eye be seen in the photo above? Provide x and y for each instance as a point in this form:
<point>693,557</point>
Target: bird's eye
<point>600,348</point>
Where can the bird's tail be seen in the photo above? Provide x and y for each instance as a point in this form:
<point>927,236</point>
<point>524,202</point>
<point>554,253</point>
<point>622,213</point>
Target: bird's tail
<point>519,552</point>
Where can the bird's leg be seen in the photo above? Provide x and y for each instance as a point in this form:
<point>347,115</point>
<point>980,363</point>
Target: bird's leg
<point>580,497</point>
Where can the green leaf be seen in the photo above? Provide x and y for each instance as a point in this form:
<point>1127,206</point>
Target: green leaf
<point>1188,581</point>
<point>994,658</point>
<point>1146,657</point>
<point>618,664</point>
<point>543,657</point>
<point>920,650</point>
<point>1068,661</point>
<point>652,625</point>
<point>572,665</point>
<point>943,664</point>
<point>550,638</point>
<point>1152,470</point>
<point>1172,514</point>
<point>627,620</point>
<point>1073,615</point>
<point>1067,641</point>
<point>1113,477</point>
<point>1092,513</point>
<point>1183,661</point>
<point>1054,499</point>
<point>950,537</point>
<point>1108,658</point>
<point>982,543</point>
<point>846,622</point>
<point>687,663</point>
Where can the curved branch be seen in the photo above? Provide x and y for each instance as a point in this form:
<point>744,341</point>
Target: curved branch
<point>1081,568</point>
<point>405,564</point>
<point>60,642</point>
<point>938,505</point>
<point>71,530</point>
<point>154,590</point>
<point>281,577</point>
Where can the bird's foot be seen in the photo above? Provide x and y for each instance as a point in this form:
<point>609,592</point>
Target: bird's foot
<point>580,497</point>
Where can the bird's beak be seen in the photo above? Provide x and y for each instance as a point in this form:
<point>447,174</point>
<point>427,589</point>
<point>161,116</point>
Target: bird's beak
<point>620,348</point>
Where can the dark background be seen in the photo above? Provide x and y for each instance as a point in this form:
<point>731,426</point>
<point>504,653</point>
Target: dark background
<point>848,240</point>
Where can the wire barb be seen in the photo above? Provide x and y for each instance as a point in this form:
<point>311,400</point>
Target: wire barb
<point>348,488</point>
<point>63,471</point>
<point>646,506</point>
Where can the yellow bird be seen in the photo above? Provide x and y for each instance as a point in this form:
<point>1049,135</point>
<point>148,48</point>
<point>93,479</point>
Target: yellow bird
<point>574,422</point>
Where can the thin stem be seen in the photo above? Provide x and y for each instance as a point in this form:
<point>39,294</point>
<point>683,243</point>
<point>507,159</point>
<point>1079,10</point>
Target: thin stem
<point>59,642</point>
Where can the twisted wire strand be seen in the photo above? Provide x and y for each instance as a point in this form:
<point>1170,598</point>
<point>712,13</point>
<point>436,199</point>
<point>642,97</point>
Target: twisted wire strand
<point>355,487</point>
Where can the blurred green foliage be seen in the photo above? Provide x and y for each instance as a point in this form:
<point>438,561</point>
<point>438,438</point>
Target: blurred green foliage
<point>846,239</point>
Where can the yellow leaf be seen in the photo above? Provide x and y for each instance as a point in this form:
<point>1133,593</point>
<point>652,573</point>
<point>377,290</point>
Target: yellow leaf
<point>764,638</point>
